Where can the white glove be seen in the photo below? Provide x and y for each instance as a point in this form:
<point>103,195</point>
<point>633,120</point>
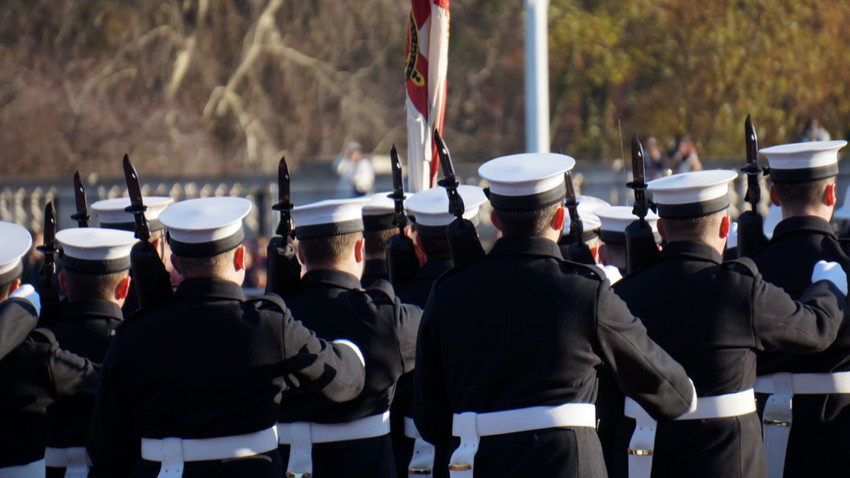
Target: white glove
<point>832,272</point>
<point>28,293</point>
<point>612,274</point>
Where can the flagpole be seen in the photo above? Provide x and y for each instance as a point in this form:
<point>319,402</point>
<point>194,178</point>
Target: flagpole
<point>536,76</point>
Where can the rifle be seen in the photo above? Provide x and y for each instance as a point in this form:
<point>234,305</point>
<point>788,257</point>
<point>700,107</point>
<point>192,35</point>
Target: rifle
<point>751,238</point>
<point>45,285</point>
<point>151,281</point>
<point>641,248</point>
<point>283,269</point>
<point>576,250</point>
<point>461,233</point>
<point>82,215</point>
<point>402,262</point>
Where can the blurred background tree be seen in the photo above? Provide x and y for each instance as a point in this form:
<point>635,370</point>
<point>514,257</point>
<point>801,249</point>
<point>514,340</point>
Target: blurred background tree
<point>218,86</point>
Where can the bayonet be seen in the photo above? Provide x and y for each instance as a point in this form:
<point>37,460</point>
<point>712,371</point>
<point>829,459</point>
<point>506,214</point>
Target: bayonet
<point>284,205</point>
<point>641,248</point>
<point>48,248</point>
<point>752,170</point>
<point>751,238</point>
<point>82,215</point>
<point>576,226</point>
<point>136,207</point>
<point>456,206</point>
<point>398,192</point>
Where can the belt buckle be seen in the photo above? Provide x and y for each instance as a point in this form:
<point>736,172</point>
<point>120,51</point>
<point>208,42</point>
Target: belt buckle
<point>420,471</point>
<point>639,452</point>
<point>777,423</point>
<point>460,466</point>
<point>290,474</point>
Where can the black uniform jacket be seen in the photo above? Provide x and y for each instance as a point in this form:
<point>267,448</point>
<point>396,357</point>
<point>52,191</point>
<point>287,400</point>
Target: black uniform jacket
<point>334,305</point>
<point>32,376</point>
<point>17,320</point>
<point>522,327</point>
<point>713,319</point>
<point>84,327</point>
<point>415,292</point>
<point>820,435</point>
<point>374,270</point>
<point>208,364</point>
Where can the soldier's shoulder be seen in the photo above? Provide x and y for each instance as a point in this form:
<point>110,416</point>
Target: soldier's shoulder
<point>381,291</point>
<point>742,265</point>
<point>43,335</point>
<point>589,271</point>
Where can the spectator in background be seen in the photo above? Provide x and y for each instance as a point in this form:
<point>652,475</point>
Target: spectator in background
<point>653,160</point>
<point>815,132</point>
<point>683,157</point>
<point>356,176</point>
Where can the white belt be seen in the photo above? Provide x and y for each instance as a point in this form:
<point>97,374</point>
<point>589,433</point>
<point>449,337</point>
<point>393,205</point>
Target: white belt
<point>300,437</point>
<point>776,424</point>
<point>35,469</point>
<point>173,452</point>
<point>642,443</point>
<point>422,461</point>
<point>470,426</point>
<point>74,459</point>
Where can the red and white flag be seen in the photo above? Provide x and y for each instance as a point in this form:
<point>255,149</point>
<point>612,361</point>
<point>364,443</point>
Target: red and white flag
<point>425,72</point>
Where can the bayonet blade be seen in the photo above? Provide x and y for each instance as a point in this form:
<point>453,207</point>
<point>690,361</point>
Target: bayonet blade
<point>49,227</point>
<point>571,192</point>
<point>445,158</point>
<point>752,170</point>
<point>137,206</point>
<point>637,161</point>
<point>398,182</point>
<point>752,144</point>
<point>82,215</point>
<point>283,182</point>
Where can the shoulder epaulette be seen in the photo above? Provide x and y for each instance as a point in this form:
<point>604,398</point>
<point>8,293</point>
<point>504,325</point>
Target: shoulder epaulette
<point>383,287</point>
<point>43,335</point>
<point>267,301</point>
<point>586,270</point>
<point>744,263</point>
<point>844,242</point>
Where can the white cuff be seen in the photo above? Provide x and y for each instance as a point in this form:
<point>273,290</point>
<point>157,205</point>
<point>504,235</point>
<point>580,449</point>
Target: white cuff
<point>357,351</point>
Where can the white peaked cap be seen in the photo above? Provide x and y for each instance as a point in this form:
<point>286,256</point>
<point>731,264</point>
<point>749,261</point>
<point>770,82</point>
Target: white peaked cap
<point>93,250</point>
<point>15,241</point>
<point>111,212</point>
<point>843,212</point>
<point>801,162</point>
<point>615,220</point>
<point>431,207</point>
<point>329,218</point>
<point>526,181</point>
<point>379,212</point>
<point>693,194</point>
<point>205,227</point>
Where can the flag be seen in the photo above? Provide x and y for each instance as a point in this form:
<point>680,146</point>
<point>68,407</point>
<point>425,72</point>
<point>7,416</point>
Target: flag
<point>425,82</point>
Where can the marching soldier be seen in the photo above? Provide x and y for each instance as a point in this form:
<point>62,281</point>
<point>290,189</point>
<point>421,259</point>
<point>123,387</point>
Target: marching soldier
<point>430,209</point>
<point>378,227</point>
<point>33,374</point>
<point>196,380</point>
<point>612,234</point>
<point>715,317</point>
<point>509,343</point>
<point>803,187</point>
<point>321,438</point>
<point>96,281</point>
<point>151,278</point>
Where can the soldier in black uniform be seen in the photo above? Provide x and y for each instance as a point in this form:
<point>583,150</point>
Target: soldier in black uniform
<point>378,216</point>
<point>96,281</point>
<point>612,234</point>
<point>329,439</point>
<point>509,344</point>
<point>35,373</point>
<point>430,209</point>
<point>803,177</point>
<point>151,277</point>
<point>713,317</point>
<point>197,380</point>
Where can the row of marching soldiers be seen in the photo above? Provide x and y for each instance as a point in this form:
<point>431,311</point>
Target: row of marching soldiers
<point>513,363</point>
